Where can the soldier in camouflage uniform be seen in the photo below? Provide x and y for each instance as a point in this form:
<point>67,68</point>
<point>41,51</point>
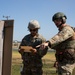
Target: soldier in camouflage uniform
<point>32,61</point>
<point>64,44</point>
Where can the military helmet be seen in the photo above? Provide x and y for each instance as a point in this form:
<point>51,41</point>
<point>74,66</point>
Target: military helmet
<point>33,24</point>
<point>59,15</point>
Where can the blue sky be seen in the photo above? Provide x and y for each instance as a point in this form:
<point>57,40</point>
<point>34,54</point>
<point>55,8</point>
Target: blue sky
<point>22,11</point>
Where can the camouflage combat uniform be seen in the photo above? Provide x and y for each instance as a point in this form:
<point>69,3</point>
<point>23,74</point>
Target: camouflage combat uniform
<point>64,44</point>
<point>32,63</point>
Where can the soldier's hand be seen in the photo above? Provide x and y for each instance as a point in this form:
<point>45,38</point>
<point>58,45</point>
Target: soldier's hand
<point>33,50</point>
<point>42,46</point>
<point>56,64</point>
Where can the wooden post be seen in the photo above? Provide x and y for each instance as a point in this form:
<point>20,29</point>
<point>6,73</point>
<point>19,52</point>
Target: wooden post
<point>7,47</point>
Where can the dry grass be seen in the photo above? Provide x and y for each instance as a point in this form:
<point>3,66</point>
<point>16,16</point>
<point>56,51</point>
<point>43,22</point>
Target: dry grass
<point>49,56</point>
<point>16,58</point>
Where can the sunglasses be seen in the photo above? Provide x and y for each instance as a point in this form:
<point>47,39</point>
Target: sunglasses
<point>33,30</point>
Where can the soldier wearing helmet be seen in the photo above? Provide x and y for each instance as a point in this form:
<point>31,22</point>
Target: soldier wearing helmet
<point>59,15</point>
<point>32,60</point>
<point>33,27</point>
<point>33,24</point>
<point>64,44</point>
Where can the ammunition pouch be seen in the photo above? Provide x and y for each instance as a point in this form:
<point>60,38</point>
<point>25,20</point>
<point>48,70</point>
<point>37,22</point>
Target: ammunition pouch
<point>69,55</point>
<point>66,56</point>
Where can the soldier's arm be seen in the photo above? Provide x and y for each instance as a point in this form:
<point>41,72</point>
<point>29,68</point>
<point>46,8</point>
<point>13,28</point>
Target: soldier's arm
<point>63,35</point>
<point>23,43</point>
<point>40,51</point>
